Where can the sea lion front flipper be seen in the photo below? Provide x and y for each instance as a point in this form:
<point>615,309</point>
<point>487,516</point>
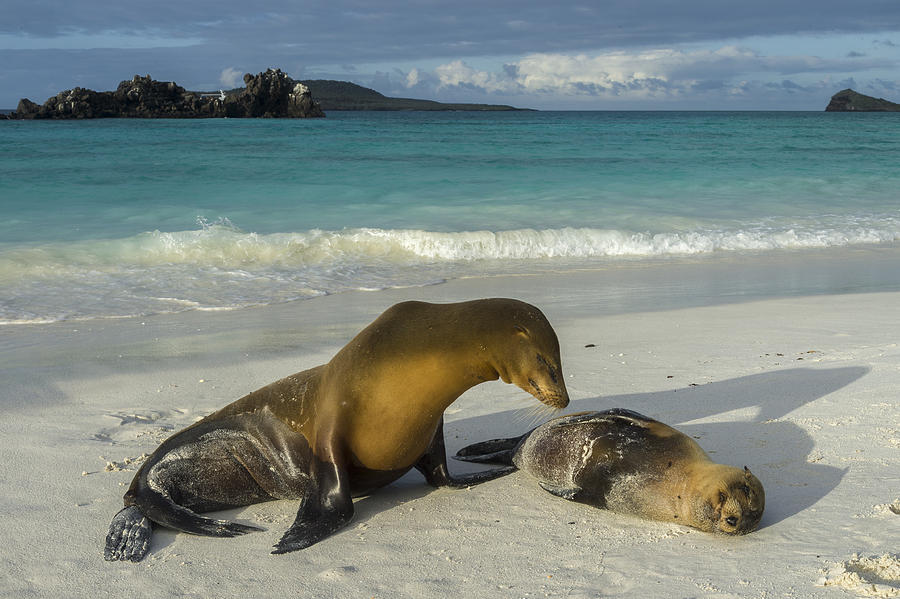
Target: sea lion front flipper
<point>564,492</point>
<point>433,465</point>
<point>323,511</point>
<point>129,535</point>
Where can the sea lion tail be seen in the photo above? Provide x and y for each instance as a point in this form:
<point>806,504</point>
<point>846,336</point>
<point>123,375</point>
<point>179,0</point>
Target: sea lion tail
<point>495,451</point>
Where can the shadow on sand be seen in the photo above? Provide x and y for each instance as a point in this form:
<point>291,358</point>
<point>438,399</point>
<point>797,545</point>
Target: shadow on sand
<point>744,428</point>
<point>737,421</point>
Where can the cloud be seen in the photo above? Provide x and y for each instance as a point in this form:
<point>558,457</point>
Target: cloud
<point>609,49</point>
<point>412,78</point>
<point>74,40</point>
<point>231,77</point>
<point>349,31</point>
<point>787,86</point>
<point>605,74</point>
<point>648,73</point>
<point>459,74</point>
<point>882,85</point>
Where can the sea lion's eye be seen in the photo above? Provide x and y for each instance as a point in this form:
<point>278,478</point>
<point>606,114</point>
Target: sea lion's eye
<point>554,376</point>
<point>746,490</point>
<point>722,497</point>
<point>521,330</point>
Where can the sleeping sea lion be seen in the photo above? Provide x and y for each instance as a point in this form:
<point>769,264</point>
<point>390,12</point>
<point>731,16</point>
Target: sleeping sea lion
<point>342,429</point>
<point>627,463</point>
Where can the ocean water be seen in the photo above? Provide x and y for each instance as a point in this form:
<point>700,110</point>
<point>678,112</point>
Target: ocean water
<point>112,218</point>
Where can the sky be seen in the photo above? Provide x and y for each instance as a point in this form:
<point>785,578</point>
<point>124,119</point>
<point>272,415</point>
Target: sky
<point>563,55</point>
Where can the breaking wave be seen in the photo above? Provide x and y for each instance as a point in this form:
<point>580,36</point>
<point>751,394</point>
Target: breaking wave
<point>224,246</point>
<point>218,266</point>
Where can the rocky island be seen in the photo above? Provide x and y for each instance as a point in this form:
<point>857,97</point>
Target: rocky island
<point>848,100</point>
<point>271,94</point>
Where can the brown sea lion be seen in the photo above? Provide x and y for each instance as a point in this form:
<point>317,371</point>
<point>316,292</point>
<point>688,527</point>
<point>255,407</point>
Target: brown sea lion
<point>627,463</point>
<point>342,429</point>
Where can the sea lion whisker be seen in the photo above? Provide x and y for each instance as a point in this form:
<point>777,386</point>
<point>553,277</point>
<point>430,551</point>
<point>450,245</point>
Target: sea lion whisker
<point>536,413</point>
<point>527,416</point>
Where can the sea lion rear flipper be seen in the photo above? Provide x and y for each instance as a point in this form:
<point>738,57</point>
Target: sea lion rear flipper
<point>494,451</point>
<point>151,491</point>
<point>323,510</point>
<point>564,492</point>
<point>129,535</point>
<point>433,465</point>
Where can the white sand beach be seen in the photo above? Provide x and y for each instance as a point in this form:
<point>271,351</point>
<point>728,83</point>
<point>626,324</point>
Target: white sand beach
<point>803,390</point>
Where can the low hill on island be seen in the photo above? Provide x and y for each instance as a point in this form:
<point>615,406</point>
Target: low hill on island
<point>848,100</point>
<point>343,95</point>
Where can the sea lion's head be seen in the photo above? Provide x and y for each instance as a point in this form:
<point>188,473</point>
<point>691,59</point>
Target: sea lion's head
<point>734,505</point>
<point>526,354</point>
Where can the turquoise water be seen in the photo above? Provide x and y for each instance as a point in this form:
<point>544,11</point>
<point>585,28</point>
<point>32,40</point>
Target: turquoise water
<point>122,217</point>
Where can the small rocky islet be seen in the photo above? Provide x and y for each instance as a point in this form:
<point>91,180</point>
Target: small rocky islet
<point>268,94</point>
<point>848,100</point>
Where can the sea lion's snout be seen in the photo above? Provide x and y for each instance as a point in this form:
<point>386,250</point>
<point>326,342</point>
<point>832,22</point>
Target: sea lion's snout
<point>739,524</point>
<point>733,521</point>
<point>547,384</point>
<point>531,360</point>
<point>741,507</point>
<point>554,399</point>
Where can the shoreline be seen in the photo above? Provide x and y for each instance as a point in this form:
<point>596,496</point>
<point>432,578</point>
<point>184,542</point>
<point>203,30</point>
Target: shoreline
<point>624,284</point>
<point>799,388</point>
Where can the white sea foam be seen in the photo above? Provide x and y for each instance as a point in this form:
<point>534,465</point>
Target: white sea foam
<point>220,267</point>
<point>220,246</point>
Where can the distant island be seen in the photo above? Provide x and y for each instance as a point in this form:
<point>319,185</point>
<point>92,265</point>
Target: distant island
<point>270,94</point>
<point>848,100</point>
<point>343,95</point>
